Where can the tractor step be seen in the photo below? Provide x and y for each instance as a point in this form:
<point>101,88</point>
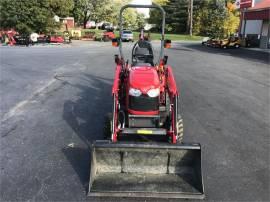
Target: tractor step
<point>162,108</point>
<point>144,131</point>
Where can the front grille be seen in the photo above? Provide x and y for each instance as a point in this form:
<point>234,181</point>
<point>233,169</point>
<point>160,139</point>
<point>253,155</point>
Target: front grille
<point>143,103</point>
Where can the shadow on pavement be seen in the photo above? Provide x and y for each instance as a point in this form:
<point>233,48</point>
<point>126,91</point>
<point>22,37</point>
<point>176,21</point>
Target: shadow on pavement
<point>86,117</point>
<point>247,54</point>
<point>181,49</point>
<point>79,158</point>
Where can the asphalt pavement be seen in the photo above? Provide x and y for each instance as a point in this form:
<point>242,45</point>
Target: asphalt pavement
<point>54,98</point>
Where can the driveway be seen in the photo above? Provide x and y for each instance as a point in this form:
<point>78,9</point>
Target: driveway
<point>53,100</point>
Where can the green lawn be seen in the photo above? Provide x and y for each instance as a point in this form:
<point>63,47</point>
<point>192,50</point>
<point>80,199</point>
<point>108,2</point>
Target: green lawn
<point>153,36</point>
<point>97,31</point>
<point>173,37</point>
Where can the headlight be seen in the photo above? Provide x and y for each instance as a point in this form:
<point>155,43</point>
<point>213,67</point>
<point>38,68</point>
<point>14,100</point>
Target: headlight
<point>134,92</point>
<point>153,92</point>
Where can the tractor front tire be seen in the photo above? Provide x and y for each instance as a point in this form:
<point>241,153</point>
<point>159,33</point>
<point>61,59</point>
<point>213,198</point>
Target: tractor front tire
<point>108,126</point>
<point>179,129</point>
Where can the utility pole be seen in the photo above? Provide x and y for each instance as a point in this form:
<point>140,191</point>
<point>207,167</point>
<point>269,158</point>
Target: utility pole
<point>191,17</point>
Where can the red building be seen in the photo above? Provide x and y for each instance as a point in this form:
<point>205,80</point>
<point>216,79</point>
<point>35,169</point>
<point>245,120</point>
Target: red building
<point>68,22</point>
<point>255,22</point>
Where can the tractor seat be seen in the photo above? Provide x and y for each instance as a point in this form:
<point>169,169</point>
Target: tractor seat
<point>143,54</point>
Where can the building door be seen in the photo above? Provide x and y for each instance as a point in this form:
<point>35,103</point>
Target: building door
<point>264,42</point>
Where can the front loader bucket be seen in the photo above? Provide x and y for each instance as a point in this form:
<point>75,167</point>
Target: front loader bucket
<point>146,170</point>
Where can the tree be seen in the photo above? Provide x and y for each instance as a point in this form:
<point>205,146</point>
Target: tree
<point>209,18</point>
<point>60,7</point>
<point>190,17</point>
<point>155,15</point>
<point>96,10</point>
<point>140,21</point>
<point>200,11</point>
<point>86,9</point>
<point>132,19</point>
<point>215,18</point>
<point>32,15</point>
<point>177,15</point>
<point>113,10</point>
<point>161,2</point>
<point>232,19</point>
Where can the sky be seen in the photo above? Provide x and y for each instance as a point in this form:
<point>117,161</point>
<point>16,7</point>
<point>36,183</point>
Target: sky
<point>145,11</point>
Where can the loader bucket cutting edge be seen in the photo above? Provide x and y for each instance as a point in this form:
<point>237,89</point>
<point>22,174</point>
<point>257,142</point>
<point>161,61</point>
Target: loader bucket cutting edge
<point>146,170</point>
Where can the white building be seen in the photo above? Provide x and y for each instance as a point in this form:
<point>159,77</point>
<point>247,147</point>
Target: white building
<point>255,24</point>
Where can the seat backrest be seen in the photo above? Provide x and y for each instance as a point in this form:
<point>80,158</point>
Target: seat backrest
<point>143,53</point>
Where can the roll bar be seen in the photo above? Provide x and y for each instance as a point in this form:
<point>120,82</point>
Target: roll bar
<point>156,6</point>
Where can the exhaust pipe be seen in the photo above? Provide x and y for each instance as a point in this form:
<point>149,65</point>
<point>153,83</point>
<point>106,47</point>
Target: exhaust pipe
<point>146,170</point>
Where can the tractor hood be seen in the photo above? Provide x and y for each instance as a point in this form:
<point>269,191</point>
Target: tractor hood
<point>143,78</point>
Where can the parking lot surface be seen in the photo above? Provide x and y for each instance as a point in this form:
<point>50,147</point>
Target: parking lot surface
<point>53,102</point>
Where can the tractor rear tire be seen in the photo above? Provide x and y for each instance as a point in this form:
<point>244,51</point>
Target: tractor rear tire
<point>107,130</point>
<point>179,129</point>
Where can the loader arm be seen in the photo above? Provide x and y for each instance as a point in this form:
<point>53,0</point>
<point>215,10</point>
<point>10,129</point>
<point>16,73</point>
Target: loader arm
<point>115,95</point>
<point>172,87</point>
<point>174,95</point>
<point>115,88</point>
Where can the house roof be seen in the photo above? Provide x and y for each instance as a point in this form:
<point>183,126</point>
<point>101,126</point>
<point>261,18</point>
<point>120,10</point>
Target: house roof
<point>264,4</point>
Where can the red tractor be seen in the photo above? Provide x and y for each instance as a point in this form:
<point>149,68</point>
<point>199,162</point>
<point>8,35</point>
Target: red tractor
<point>7,37</point>
<point>145,96</point>
<point>108,35</point>
<point>56,39</point>
<point>133,162</point>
